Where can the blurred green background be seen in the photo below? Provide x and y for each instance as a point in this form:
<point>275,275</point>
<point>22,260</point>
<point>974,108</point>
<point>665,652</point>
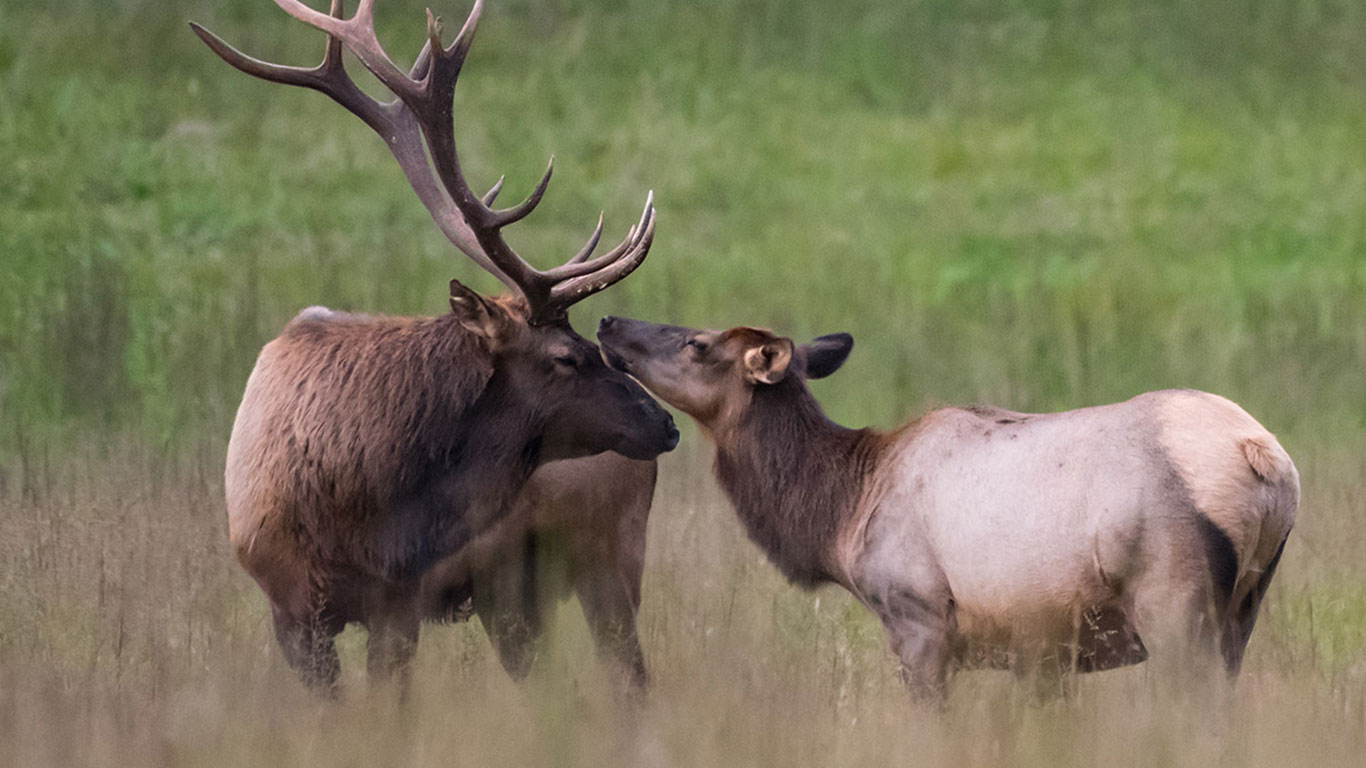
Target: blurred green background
<point>1039,203</point>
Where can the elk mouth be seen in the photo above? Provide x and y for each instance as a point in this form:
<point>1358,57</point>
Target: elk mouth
<point>614,360</point>
<point>613,337</point>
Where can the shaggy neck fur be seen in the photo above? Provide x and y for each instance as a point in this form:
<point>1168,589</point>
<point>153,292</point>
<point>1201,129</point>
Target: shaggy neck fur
<point>497,450</point>
<point>795,477</point>
<point>414,435</point>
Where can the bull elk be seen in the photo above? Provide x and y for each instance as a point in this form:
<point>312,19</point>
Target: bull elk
<point>985,538</point>
<point>367,448</point>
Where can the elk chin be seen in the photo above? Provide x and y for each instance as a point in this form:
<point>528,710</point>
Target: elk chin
<point>634,448</point>
<point>662,379</point>
<point>642,432</point>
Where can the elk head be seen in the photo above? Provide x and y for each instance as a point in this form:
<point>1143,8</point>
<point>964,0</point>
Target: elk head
<point>713,375</point>
<point>589,408</point>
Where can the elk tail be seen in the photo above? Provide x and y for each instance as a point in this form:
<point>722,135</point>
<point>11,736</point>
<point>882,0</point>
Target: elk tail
<point>1267,458</point>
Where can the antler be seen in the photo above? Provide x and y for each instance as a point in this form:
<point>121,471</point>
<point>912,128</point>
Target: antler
<point>421,112</point>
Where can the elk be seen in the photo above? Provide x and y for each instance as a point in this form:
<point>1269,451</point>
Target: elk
<point>367,448</point>
<point>1048,543</point>
<point>579,526</point>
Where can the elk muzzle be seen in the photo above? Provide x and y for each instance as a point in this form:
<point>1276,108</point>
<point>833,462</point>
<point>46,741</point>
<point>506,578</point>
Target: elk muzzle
<point>668,361</point>
<point>628,345</point>
<point>610,413</point>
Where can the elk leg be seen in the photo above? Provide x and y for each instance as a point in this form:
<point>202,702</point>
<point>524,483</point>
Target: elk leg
<point>607,564</point>
<point>309,648</point>
<point>610,600</point>
<point>1239,622</point>
<point>1178,624</point>
<point>1045,677</point>
<point>921,635</point>
<point>924,654</point>
<point>507,601</point>
<point>390,647</point>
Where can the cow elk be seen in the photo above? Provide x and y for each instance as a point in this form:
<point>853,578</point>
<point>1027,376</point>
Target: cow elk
<point>984,538</point>
<point>368,448</point>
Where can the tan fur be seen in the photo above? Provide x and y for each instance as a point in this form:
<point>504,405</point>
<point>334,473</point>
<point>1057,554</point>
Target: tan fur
<point>1078,540</point>
<point>1225,457</point>
<point>767,363</point>
<point>1264,459</point>
<point>852,539</point>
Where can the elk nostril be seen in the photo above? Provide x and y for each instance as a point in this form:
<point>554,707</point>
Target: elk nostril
<point>606,322</point>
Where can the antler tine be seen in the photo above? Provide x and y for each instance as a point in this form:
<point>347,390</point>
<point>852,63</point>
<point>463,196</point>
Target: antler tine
<point>574,289</point>
<point>332,54</point>
<point>460,46</point>
<point>422,62</point>
<point>516,213</point>
<point>418,126</point>
<point>434,31</point>
<point>492,194</point>
<point>358,33</point>
<point>276,73</point>
<point>328,77</point>
<point>587,249</point>
<point>573,268</point>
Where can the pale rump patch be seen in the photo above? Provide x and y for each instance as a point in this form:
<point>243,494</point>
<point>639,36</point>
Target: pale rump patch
<point>1225,457</point>
<point>247,508</point>
<point>315,312</point>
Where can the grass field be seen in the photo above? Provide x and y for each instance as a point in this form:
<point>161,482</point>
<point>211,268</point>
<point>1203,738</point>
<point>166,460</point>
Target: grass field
<point>1037,203</point>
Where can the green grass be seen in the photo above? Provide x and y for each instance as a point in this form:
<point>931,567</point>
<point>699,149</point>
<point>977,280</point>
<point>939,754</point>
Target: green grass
<point>1045,204</point>
<point>1037,203</point>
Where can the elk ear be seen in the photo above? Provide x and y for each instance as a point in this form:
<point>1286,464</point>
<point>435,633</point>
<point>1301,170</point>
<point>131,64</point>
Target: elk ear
<point>767,363</point>
<point>477,314</point>
<point>825,354</point>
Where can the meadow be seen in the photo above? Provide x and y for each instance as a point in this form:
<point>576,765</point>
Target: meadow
<point>1040,204</point>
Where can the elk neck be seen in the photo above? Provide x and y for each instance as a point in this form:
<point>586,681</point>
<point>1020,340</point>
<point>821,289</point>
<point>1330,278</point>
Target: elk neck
<point>463,456</point>
<point>795,478</point>
<point>496,451</point>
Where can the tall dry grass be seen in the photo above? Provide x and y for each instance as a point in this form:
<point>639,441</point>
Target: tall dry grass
<point>128,636</point>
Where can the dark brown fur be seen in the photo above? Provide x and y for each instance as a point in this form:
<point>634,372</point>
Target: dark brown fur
<point>367,448</point>
<point>795,477</point>
<point>579,526</point>
<point>376,409</point>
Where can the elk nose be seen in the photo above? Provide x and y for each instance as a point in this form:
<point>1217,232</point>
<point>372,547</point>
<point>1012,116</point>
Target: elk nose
<point>672,434</point>
<point>606,323</point>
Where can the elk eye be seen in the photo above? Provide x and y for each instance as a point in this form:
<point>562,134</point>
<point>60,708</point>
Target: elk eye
<point>566,361</point>
<point>696,344</point>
